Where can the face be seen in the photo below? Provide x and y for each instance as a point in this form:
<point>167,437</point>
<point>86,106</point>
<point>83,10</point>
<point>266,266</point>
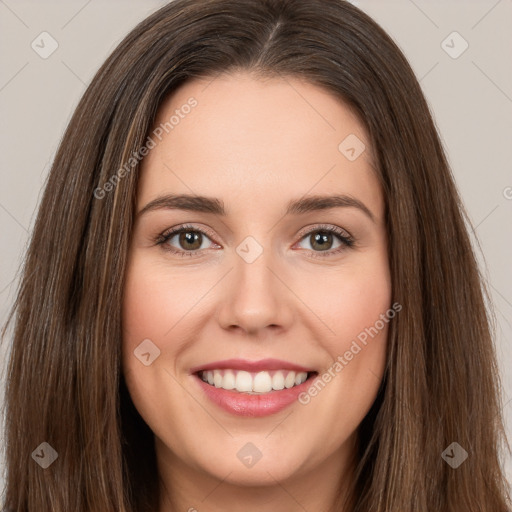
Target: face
<point>232,301</point>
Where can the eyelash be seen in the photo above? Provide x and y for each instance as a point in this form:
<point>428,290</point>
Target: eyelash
<point>346,240</point>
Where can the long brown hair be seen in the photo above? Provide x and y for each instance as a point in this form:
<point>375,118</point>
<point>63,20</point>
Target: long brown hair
<point>64,381</point>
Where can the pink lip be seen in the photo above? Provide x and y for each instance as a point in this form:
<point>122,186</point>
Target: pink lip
<point>251,366</point>
<point>244,404</point>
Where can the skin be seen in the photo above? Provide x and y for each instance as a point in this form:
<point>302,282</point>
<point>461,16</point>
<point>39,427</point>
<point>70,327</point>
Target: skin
<point>255,144</point>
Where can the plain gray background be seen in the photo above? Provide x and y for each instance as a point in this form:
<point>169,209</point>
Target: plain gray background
<point>470,94</point>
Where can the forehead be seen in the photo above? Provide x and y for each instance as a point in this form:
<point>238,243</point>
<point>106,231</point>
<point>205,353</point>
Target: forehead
<point>256,140</point>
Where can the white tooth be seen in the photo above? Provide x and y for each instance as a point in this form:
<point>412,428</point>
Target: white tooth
<point>290,380</point>
<point>243,381</point>
<point>300,378</point>
<point>217,378</point>
<point>229,380</point>
<point>262,382</point>
<point>278,381</point>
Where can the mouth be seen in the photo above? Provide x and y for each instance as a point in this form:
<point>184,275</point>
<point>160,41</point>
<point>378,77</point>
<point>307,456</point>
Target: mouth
<point>253,389</point>
<point>256,383</point>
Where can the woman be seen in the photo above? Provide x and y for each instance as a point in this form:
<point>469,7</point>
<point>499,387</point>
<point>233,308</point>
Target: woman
<point>250,284</point>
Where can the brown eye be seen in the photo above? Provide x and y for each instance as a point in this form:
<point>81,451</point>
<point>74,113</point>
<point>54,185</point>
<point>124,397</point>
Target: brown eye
<point>329,240</point>
<point>184,241</point>
<point>190,240</point>
<point>321,240</point>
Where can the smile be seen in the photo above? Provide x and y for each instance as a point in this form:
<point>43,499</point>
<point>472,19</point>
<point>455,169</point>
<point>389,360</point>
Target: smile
<point>253,382</point>
<point>253,388</point>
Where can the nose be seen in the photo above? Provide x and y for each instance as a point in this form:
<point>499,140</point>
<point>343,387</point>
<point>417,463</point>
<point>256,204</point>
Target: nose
<point>256,297</point>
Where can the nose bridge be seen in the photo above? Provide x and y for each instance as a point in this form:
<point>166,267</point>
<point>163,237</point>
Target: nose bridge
<point>255,298</point>
<point>253,266</point>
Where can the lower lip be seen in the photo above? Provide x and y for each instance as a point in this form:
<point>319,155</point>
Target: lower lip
<point>243,404</point>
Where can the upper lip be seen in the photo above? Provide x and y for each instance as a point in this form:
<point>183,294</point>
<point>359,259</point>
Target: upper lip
<point>251,366</point>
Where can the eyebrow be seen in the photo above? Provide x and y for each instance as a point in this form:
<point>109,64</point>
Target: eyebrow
<point>215,206</point>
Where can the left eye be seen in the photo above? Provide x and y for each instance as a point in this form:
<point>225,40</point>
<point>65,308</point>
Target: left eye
<point>322,240</point>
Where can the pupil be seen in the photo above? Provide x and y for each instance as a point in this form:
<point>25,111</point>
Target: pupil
<point>323,239</point>
<point>190,237</point>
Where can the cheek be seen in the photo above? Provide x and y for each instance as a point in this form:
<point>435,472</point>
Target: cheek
<point>351,299</point>
<point>155,301</point>
<point>150,309</point>
<point>359,304</point>
<point>354,303</point>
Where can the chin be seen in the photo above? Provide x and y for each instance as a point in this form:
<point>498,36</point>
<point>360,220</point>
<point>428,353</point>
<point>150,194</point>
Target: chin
<point>264,468</point>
